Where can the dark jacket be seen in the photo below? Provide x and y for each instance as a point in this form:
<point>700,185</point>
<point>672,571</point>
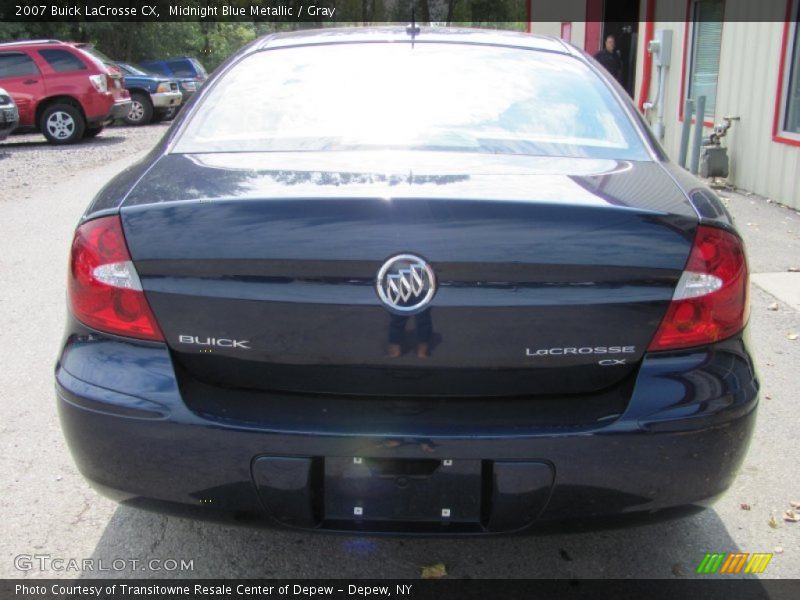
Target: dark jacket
<point>611,61</point>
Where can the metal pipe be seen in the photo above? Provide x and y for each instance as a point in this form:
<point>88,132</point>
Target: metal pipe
<point>688,113</point>
<point>662,84</point>
<point>698,134</point>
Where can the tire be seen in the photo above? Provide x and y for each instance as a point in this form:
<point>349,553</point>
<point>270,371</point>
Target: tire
<point>92,131</point>
<point>62,124</point>
<point>141,110</point>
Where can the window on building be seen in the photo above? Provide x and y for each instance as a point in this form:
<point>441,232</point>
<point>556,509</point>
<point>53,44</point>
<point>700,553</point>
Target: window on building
<point>791,118</point>
<point>62,60</point>
<point>706,41</point>
<point>16,64</point>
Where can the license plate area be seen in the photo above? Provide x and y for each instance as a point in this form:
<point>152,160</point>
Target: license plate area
<point>402,490</point>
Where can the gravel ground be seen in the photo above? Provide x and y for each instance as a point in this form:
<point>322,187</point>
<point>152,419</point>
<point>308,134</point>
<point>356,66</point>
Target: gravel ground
<point>29,163</point>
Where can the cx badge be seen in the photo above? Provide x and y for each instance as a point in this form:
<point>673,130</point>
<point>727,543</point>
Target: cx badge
<point>406,284</point>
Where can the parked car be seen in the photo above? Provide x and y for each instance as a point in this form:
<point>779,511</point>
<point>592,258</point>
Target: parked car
<point>432,300</point>
<point>153,98</point>
<point>60,90</point>
<point>9,115</point>
<point>189,73</point>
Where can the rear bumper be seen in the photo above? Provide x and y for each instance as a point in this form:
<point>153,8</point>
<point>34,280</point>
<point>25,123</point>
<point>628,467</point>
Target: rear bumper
<point>100,107</point>
<point>679,443</point>
<point>120,109</point>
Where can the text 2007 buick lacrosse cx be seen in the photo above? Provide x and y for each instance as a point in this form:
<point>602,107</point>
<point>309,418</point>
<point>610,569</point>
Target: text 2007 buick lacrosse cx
<point>400,280</point>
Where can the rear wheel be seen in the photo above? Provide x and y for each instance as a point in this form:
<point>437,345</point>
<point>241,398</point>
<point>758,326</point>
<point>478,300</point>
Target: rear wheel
<point>92,131</point>
<point>141,112</point>
<point>62,124</point>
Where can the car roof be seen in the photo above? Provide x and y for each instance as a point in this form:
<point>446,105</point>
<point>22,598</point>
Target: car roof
<point>492,37</point>
<point>26,43</point>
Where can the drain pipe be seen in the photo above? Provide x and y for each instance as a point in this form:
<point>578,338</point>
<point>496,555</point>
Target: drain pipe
<point>660,49</point>
<point>658,104</point>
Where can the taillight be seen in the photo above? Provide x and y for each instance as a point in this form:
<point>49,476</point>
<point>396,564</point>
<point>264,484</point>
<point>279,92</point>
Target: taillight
<point>711,300</point>
<point>104,289</point>
<point>99,82</point>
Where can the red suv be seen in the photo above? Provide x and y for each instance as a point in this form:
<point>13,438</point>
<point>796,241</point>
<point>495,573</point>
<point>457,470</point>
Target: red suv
<point>61,90</point>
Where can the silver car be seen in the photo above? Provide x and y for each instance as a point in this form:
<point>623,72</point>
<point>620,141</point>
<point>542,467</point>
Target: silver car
<point>9,115</point>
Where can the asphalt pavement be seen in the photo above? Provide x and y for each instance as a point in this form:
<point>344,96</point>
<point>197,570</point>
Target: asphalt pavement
<point>48,510</point>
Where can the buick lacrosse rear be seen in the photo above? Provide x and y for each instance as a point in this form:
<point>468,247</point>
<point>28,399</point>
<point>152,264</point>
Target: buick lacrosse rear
<point>392,280</point>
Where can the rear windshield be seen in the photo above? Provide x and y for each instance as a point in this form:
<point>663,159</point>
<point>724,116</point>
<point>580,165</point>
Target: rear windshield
<point>432,96</point>
<point>182,68</point>
<point>99,59</point>
<point>200,68</point>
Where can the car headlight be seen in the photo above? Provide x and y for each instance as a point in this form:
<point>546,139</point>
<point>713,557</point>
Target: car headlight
<point>163,87</point>
<point>189,86</point>
<point>4,100</point>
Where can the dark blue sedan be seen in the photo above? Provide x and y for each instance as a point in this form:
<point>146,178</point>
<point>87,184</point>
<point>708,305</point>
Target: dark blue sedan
<point>391,280</point>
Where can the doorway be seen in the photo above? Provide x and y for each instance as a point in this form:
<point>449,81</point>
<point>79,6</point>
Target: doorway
<point>621,18</point>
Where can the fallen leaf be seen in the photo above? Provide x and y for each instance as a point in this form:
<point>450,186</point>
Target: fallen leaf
<point>677,570</point>
<point>793,269</point>
<point>778,550</point>
<point>773,306</point>
<point>767,397</point>
<point>436,571</point>
<point>792,337</point>
<point>773,522</point>
<point>744,506</point>
<point>790,516</point>
<point>795,503</point>
<point>564,554</point>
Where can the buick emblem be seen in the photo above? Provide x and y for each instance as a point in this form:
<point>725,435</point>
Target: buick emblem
<point>406,284</point>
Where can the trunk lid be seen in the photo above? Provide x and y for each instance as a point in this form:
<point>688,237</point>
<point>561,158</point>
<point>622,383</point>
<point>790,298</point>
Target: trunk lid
<point>553,274</point>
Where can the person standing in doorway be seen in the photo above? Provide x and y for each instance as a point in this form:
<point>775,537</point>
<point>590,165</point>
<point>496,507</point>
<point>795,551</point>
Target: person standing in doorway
<point>610,58</point>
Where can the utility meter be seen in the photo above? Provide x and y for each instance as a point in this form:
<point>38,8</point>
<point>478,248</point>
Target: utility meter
<point>661,47</point>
